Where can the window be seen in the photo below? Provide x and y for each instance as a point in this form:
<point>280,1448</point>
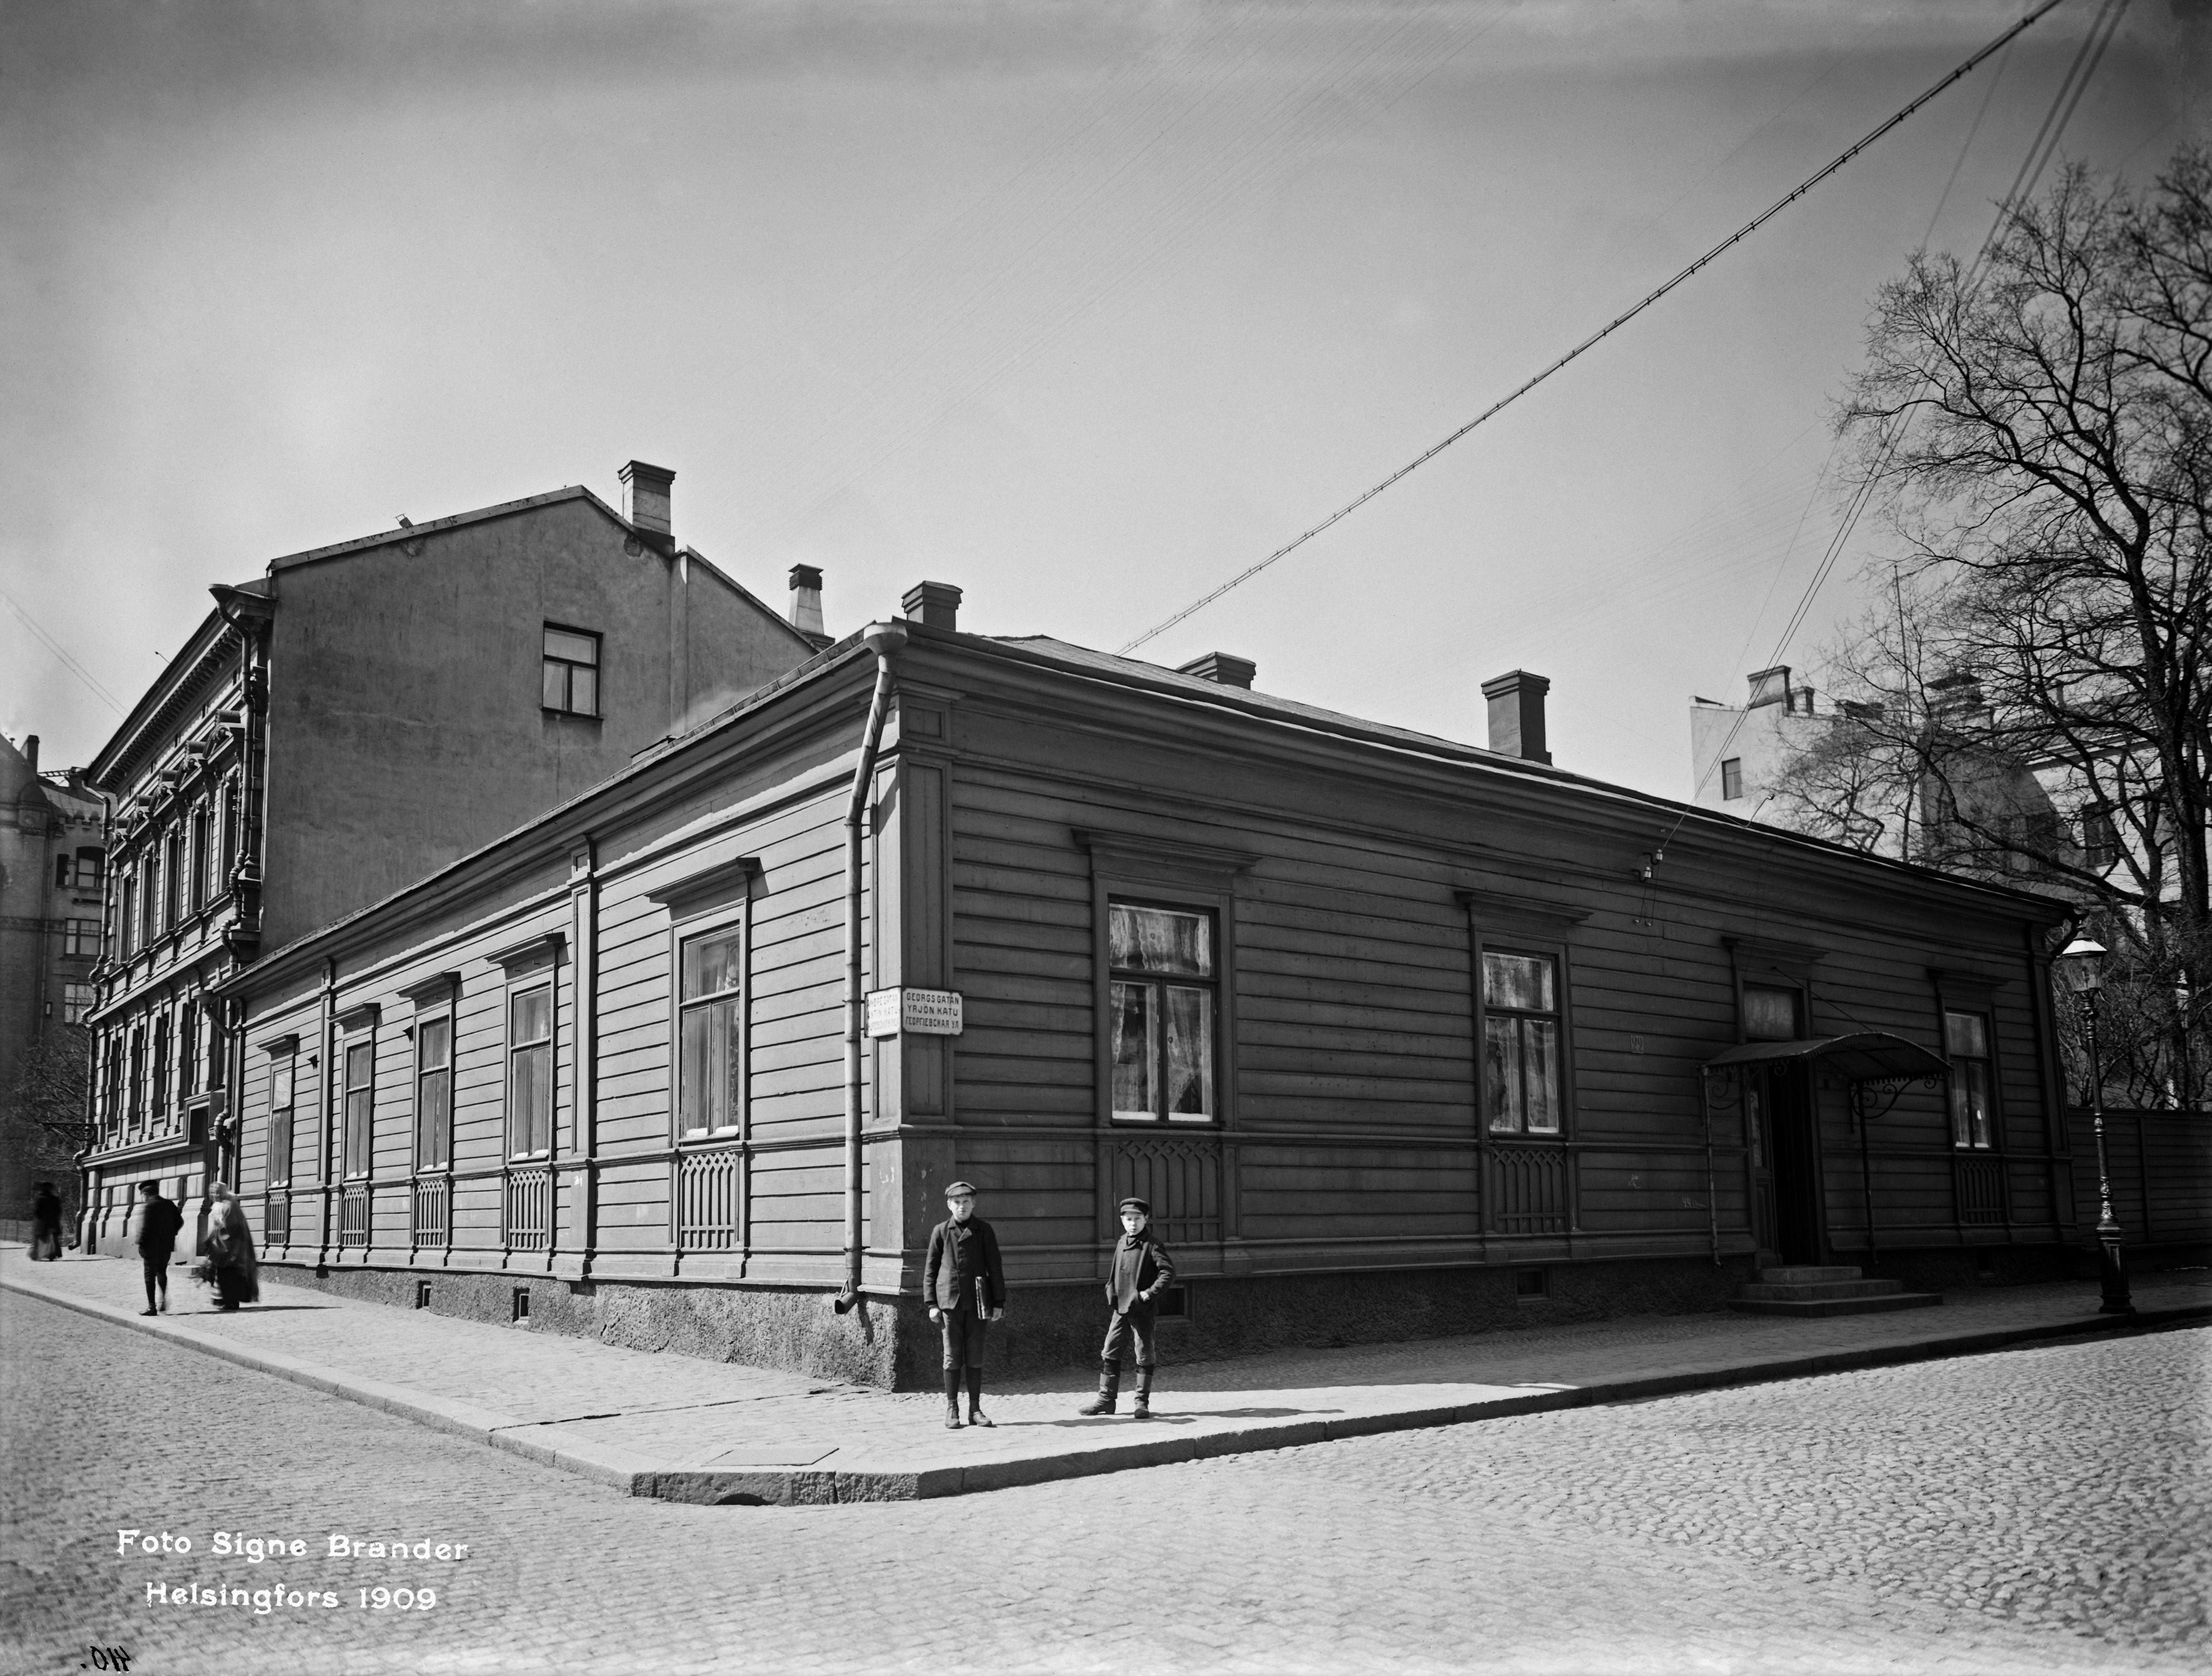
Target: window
<point>229,836</point>
<point>1967,1039</point>
<point>111,1094</point>
<point>1731,779</point>
<point>129,913</point>
<point>2101,840</point>
<point>76,1003</point>
<point>188,1049</point>
<point>173,880</point>
<point>1164,1006</point>
<point>572,671</point>
<point>203,860</point>
<point>530,1071</point>
<point>149,873</point>
<point>360,1104</point>
<point>1521,1042</point>
<point>434,1091</point>
<point>1771,1012</point>
<point>137,1091</point>
<point>80,937</point>
<point>711,1073</point>
<point>79,872</point>
<point>161,1067</point>
<point>282,1084</point>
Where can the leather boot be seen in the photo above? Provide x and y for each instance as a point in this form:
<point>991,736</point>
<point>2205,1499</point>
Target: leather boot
<point>975,1415</point>
<point>1109,1386</point>
<point>952,1399</point>
<point>1143,1411</point>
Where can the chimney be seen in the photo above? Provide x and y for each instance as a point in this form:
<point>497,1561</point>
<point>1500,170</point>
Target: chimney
<point>30,752</point>
<point>806,603</point>
<point>1222,666</point>
<point>646,499</point>
<point>1517,715</point>
<point>934,605</point>
<point>1770,687</point>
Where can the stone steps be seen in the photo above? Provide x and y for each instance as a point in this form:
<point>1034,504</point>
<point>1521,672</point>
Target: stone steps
<point>1825,1290</point>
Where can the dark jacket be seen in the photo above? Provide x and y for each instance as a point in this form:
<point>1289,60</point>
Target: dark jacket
<point>159,1224</point>
<point>1140,1267</point>
<point>960,1254</point>
<point>47,1211</point>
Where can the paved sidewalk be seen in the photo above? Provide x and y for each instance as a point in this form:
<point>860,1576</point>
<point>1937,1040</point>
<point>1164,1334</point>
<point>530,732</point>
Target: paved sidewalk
<point>687,1430</point>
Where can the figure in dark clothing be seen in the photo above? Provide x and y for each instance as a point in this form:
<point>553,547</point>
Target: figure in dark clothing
<point>159,1222</point>
<point>46,1224</point>
<point>1141,1270</point>
<point>229,1249</point>
<point>966,1286</point>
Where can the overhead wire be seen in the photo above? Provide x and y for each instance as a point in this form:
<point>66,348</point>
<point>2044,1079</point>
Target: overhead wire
<point>1604,331</point>
<point>62,653</point>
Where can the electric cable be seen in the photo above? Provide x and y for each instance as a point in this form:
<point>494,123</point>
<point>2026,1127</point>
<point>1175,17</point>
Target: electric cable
<point>1603,333</point>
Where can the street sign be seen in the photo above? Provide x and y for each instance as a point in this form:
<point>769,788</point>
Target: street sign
<point>913,1012</point>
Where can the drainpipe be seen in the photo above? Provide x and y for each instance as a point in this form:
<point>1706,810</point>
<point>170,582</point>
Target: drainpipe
<point>882,639</point>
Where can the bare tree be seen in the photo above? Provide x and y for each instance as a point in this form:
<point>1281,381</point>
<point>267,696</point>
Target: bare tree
<point>2039,435</point>
<point>47,1107</point>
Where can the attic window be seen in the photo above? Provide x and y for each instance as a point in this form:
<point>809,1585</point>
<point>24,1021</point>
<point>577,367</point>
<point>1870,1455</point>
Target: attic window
<point>572,671</point>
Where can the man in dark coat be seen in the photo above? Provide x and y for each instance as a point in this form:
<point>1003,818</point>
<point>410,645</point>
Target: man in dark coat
<point>159,1222</point>
<point>1141,1270</point>
<point>46,1224</point>
<point>966,1286</point>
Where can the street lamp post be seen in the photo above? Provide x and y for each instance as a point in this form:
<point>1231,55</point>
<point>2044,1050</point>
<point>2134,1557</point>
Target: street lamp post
<point>2082,966</point>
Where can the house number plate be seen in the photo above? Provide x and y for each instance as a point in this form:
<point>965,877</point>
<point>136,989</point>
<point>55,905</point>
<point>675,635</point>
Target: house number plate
<point>913,1012</point>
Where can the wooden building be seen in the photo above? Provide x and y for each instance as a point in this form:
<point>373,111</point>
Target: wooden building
<point>1399,1036</point>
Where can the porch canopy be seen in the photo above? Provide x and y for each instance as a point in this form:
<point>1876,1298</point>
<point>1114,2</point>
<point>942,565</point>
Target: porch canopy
<point>1869,1056</point>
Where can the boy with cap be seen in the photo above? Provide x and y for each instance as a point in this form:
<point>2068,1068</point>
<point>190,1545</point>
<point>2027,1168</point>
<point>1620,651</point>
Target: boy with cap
<point>1141,1270</point>
<point>966,1286</point>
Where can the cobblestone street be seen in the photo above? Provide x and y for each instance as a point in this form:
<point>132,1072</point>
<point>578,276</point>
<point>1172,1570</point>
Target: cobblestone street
<point>2045,1508</point>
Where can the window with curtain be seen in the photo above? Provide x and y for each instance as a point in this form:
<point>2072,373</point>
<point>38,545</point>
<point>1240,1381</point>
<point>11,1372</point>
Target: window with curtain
<point>434,1091</point>
<point>530,1072</point>
<point>1163,995</point>
<point>1521,1083</point>
<point>360,1104</point>
<point>572,671</point>
<point>1967,1039</point>
<point>1772,1013</point>
<point>710,1076</point>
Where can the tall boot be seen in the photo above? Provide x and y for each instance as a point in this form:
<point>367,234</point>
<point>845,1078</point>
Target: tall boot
<point>1109,1386</point>
<point>952,1399</point>
<point>1143,1411</point>
<point>975,1415</point>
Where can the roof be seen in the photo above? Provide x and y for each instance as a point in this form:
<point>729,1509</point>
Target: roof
<point>1867,1056</point>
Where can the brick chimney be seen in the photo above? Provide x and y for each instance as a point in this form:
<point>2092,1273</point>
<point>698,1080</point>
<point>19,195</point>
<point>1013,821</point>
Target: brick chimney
<point>934,605</point>
<point>30,752</point>
<point>646,499</point>
<point>1517,715</point>
<point>806,603</point>
<point>1221,667</point>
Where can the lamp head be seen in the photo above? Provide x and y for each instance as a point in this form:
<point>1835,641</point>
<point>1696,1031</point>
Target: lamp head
<point>2082,966</point>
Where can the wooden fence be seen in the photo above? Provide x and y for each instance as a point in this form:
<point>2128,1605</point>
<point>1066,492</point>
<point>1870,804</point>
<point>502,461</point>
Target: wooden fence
<point>2161,1174</point>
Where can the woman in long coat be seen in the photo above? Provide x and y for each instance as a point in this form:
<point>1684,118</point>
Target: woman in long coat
<point>229,1249</point>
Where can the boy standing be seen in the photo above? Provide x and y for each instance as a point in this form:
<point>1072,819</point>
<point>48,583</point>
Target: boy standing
<point>1142,1270</point>
<point>966,1286</point>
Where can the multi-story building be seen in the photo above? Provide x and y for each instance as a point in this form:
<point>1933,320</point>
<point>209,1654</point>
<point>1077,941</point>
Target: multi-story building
<point>360,715</point>
<point>1736,752</point>
<point>51,873</point>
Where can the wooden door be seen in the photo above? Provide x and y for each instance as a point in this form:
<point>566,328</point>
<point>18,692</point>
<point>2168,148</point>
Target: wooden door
<point>1793,1154</point>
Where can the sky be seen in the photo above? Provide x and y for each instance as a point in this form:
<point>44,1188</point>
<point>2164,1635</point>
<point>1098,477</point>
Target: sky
<point>1083,308</point>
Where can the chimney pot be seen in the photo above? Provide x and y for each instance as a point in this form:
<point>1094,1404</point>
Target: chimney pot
<point>646,498</point>
<point>806,603</point>
<point>1517,715</point>
<point>1222,666</point>
<point>934,605</point>
<point>1770,687</point>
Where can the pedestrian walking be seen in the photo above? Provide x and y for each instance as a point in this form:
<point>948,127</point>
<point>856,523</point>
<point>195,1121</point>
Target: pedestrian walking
<point>1141,1270</point>
<point>158,1223</point>
<point>227,1252</point>
<point>46,1224</point>
<point>966,1286</point>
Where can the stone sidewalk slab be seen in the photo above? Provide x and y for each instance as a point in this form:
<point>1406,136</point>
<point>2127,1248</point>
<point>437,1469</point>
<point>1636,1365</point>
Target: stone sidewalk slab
<point>682,1430</point>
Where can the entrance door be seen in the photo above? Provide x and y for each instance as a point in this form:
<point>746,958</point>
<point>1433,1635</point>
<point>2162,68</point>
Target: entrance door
<point>1792,1156</point>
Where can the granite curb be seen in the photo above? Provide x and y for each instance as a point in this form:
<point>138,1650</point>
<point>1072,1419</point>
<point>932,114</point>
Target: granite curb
<point>638,1475</point>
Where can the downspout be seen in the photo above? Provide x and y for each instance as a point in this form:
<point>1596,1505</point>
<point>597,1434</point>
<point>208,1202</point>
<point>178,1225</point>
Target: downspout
<point>882,639</point>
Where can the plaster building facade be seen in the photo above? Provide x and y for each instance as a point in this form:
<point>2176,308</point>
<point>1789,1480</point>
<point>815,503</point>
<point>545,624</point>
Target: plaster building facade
<point>51,874</point>
<point>1398,1035</point>
<point>356,716</point>
<point>1736,751</point>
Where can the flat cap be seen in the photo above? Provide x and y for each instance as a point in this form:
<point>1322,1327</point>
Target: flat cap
<point>954,1190</point>
<point>1137,1206</point>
